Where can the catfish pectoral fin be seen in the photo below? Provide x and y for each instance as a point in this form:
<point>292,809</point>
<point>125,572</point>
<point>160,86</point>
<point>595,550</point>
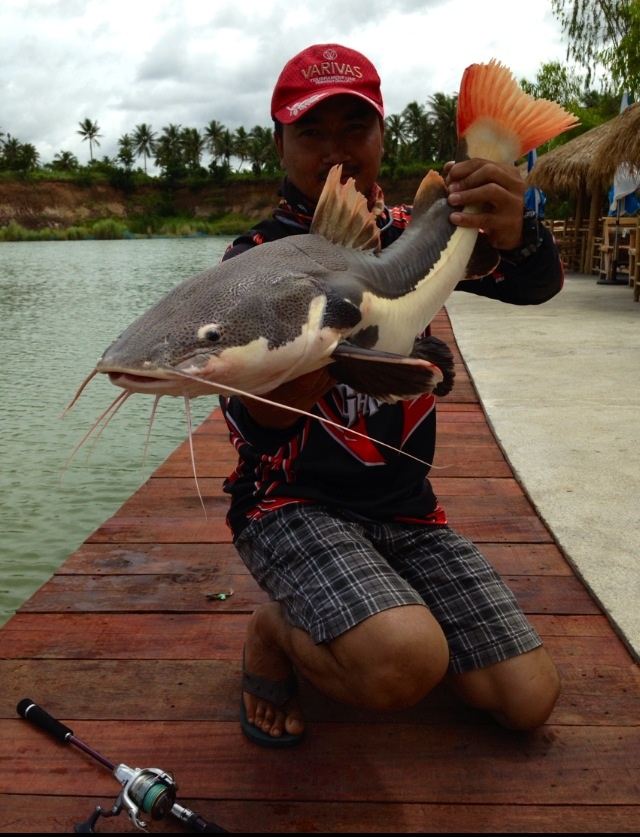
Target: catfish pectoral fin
<point>383,375</point>
<point>436,351</point>
<point>484,259</point>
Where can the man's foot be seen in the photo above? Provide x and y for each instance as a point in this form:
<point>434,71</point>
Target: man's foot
<point>270,712</point>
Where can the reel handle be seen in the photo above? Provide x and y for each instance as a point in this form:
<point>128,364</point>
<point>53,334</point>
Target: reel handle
<point>30,711</point>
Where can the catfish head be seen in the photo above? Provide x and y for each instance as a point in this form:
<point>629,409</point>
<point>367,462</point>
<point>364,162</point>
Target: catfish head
<point>250,323</point>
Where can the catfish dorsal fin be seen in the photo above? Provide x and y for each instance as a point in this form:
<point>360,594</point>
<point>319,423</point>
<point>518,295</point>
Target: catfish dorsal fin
<point>342,215</point>
<point>431,189</point>
<point>498,120</point>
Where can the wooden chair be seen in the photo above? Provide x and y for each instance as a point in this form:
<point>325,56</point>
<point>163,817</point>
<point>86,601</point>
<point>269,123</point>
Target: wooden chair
<point>634,261</point>
<point>626,231</point>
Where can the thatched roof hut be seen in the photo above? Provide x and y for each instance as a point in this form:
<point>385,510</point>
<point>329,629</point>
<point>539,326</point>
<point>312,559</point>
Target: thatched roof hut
<point>623,145</point>
<point>569,167</point>
<point>584,166</point>
<point>590,159</point>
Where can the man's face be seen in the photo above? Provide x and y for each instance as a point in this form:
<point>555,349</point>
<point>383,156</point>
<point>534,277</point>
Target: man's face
<point>342,129</point>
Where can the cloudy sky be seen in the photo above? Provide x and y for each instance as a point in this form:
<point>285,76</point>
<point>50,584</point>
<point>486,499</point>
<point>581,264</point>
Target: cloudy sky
<point>186,62</point>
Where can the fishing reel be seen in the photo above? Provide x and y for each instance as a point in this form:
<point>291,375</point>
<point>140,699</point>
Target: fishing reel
<point>145,791</point>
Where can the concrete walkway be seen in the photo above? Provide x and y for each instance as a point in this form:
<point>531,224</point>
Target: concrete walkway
<point>560,384</point>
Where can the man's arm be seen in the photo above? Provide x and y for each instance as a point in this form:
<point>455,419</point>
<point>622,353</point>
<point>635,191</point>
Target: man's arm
<point>535,280</point>
<point>301,393</point>
<point>526,275</point>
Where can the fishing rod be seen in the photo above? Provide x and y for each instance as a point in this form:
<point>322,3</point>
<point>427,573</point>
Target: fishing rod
<point>145,791</point>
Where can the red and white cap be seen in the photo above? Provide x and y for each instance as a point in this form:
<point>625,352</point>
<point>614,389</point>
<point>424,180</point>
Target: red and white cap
<point>321,71</point>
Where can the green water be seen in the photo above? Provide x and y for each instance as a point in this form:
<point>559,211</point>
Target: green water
<point>61,304</point>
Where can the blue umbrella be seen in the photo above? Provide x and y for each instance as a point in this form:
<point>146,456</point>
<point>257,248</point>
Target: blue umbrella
<point>627,205</point>
<point>534,199</point>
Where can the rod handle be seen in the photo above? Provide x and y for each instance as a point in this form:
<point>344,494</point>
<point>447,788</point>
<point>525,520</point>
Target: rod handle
<point>30,711</point>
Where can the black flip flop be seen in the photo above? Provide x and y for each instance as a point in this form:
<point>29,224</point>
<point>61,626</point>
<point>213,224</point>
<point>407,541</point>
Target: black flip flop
<point>275,691</point>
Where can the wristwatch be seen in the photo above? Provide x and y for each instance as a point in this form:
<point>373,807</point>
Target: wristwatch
<point>532,239</point>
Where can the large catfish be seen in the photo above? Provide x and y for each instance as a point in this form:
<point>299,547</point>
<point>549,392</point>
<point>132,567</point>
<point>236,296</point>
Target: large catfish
<point>333,296</point>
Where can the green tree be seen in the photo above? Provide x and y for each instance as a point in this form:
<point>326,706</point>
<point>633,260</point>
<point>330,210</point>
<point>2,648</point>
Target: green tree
<point>18,156</point>
<point>419,132</point>
<point>443,121</point>
<point>564,85</point>
<point>225,148</point>
<point>126,151</point>
<point>604,33</point>
<point>10,153</point>
<point>169,154</point>
<point>29,157</point>
<point>395,138</point>
<point>213,132</point>
<point>558,82</point>
<point>64,161</point>
<point>241,141</point>
<point>89,131</point>
<point>624,60</point>
<point>193,147</point>
<point>144,142</point>
<point>261,150</point>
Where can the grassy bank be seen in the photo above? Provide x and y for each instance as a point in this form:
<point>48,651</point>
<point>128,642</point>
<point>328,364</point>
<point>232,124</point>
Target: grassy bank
<point>112,228</point>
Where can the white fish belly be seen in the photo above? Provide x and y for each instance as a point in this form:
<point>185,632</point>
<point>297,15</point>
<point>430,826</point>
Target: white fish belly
<point>401,320</point>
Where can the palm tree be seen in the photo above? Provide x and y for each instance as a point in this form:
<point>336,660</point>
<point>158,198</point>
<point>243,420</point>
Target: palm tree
<point>261,150</point>
<point>418,131</point>
<point>225,148</point>
<point>11,153</point>
<point>395,138</point>
<point>29,157</point>
<point>125,152</point>
<point>213,132</point>
<point>65,161</point>
<point>144,142</point>
<point>169,154</point>
<point>193,146</point>
<point>89,131</point>
<point>18,156</point>
<point>241,141</point>
<point>442,115</point>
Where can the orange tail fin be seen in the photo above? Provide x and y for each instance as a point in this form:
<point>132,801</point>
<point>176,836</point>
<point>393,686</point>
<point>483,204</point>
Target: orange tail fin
<point>499,121</point>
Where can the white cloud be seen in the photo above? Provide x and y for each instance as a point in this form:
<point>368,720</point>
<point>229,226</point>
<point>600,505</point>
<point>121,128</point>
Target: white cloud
<point>184,62</point>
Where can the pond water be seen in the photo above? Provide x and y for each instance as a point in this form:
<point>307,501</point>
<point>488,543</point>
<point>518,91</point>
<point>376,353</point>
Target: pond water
<point>61,304</point>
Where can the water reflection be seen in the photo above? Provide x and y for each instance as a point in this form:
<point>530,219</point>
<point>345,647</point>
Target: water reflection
<point>61,304</point>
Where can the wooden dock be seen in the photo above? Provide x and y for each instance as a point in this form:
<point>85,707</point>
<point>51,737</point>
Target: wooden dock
<point>125,647</point>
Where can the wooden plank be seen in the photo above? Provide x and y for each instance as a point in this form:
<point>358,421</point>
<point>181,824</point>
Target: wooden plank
<point>179,593</point>
<point>123,636</point>
<point>557,765</point>
<point>593,692</point>
<point>123,644</point>
<point>26,814</point>
<point>172,558</point>
<point>220,636</point>
<point>169,558</point>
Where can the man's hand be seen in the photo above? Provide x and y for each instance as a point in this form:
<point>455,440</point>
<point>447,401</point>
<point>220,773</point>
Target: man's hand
<point>497,189</point>
<point>302,393</point>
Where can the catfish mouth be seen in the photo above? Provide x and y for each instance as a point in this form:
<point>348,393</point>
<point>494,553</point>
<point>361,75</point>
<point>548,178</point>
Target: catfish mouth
<point>114,377</point>
<point>149,384</point>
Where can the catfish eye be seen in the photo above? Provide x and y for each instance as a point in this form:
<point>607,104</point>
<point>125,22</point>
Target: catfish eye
<point>211,333</point>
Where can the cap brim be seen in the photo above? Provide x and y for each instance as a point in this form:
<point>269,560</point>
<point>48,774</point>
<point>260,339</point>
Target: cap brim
<point>293,111</point>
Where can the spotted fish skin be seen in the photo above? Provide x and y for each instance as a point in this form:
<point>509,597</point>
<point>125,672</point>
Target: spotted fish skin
<point>333,296</point>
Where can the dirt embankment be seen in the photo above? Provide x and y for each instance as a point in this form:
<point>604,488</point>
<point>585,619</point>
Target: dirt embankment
<point>59,204</point>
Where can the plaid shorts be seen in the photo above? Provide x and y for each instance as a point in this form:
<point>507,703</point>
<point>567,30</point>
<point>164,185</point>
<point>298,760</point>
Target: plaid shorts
<point>330,573</point>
